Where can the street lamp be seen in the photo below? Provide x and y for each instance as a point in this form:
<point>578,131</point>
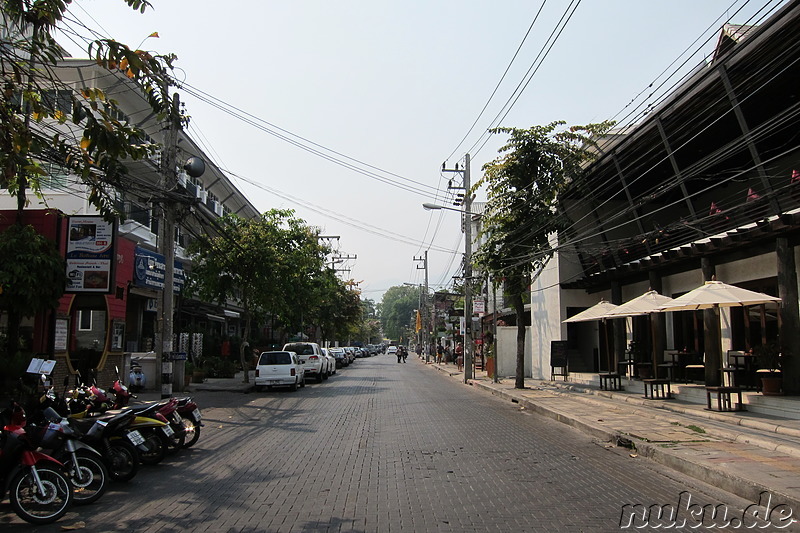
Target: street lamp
<point>468,370</point>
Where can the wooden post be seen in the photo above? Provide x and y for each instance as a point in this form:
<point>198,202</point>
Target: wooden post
<point>789,325</point>
<point>711,330</point>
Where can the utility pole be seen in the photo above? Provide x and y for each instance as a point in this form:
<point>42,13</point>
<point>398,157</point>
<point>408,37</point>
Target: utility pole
<point>467,219</point>
<point>166,242</point>
<point>427,321</point>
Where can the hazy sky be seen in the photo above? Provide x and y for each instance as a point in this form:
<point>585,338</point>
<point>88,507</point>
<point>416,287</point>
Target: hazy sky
<point>392,87</point>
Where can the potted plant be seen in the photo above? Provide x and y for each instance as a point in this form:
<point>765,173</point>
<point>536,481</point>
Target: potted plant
<point>768,357</point>
<point>198,372</point>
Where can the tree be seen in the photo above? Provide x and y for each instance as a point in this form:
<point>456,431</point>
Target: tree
<point>336,306</point>
<point>269,264</point>
<point>521,213</point>
<point>32,282</point>
<point>44,122</point>
<point>397,308</point>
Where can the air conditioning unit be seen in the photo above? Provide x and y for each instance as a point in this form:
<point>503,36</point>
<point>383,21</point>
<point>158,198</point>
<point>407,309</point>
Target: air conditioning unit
<point>202,194</point>
<point>182,177</point>
<point>218,209</point>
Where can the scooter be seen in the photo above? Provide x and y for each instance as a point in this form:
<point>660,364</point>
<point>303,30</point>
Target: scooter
<point>191,419</point>
<point>39,490</point>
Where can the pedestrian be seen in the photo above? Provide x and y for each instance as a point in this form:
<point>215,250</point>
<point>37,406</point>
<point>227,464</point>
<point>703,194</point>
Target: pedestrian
<point>399,354</point>
<point>439,353</point>
<point>460,356</point>
<point>405,353</point>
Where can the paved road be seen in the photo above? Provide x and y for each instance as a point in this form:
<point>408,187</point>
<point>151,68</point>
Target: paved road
<point>383,447</point>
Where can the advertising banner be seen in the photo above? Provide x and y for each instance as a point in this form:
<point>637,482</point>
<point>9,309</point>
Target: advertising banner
<point>149,269</point>
<point>90,254</point>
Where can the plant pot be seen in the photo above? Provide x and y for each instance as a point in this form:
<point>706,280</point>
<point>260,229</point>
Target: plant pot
<point>771,384</point>
<point>198,376</point>
<point>490,370</point>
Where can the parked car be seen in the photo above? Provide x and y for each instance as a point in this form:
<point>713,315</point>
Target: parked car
<point>342,359</point>
<point>311,357</point>
<point>280,369</point>
<point>331,361</point>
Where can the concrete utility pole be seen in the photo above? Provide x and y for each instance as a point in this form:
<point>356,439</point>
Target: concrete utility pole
<point>467,220</point>
<point>427,317</point>
<point>166,244</point>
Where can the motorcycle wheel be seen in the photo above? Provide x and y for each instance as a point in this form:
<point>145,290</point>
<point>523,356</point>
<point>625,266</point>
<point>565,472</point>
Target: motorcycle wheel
<point>35,507</point>
<point>123,462</point>
<point>177,439</point>
<point>191,432</point>
<point>92,481</point>
<point>156,449</point>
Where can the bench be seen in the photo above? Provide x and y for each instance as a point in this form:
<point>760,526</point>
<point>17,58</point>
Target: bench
<point>723,395</point>
<point>610,381</point>
<point>657,389</point>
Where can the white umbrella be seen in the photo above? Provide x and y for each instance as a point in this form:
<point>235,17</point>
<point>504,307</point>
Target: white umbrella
<point>713,295</point>
<point>649,302</point>
<point>646,304</point>
<point>598,311</point>
<point>717,294</point>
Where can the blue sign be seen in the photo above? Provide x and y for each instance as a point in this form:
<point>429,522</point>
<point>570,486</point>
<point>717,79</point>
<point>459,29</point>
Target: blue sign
<point>148,271</point>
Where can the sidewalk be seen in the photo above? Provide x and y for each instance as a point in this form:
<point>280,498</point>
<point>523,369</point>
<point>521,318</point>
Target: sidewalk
<point>741,452</point>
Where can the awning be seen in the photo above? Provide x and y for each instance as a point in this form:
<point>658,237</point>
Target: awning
<point>215,318</point>
<point>231,314</point>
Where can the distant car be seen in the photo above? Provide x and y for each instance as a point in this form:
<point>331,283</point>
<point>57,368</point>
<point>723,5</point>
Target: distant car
<point>391,350</point>
<point>279,369</point>
<point>314,362</point>
<point>342,359</point>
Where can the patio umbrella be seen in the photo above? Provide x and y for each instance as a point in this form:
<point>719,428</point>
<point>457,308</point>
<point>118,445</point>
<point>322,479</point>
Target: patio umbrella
<point>717,294</point>
<point>646,304</point>
<point>713,295</point>
<point>598,311</point>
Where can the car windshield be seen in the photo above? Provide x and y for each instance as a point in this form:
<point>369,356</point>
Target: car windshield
<point>275,358</point>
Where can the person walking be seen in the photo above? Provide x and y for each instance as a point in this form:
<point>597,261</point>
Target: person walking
<point>399,354</point>
<point>459,356</point>
<point>405,353</point>
<point>439,353</point>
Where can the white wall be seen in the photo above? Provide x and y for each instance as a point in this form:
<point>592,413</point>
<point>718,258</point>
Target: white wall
<point>507,351</point>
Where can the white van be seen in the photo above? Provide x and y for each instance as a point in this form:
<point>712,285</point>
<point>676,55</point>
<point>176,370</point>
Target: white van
<point>279,369</point>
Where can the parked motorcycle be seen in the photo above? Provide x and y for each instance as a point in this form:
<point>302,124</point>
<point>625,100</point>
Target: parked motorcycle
<point>39,490</point>
<point>83,464</point>
<point>111,435</point>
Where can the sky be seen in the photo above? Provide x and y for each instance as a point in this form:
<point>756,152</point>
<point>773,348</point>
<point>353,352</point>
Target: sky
<point>381,93</point>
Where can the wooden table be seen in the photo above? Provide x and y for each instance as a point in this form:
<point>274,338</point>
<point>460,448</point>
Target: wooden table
<point>610,381</point>
<point>723,395</point>
<point>657,389</point>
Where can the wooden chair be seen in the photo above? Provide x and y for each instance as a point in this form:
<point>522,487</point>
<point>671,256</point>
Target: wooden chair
<point>698,366</point>
<point>732,369</point>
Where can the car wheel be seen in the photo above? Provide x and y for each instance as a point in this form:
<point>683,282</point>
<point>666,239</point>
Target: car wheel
<point>319,377</point>
<point>293,386</point>
<point>303,383</point>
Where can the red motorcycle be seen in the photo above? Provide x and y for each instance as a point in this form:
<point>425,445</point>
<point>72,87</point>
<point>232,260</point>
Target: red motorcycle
<point>39,490</point>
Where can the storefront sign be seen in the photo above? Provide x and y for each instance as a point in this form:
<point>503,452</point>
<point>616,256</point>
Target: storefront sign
<point>149,270</point>
<point>90,250</point>
<point>60,337</point>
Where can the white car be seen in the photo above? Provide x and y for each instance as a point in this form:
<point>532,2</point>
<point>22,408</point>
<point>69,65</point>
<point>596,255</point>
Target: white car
<point>314,362</point>
<point>331,361</point>
<point>280,369</point>
<point>391,350</point>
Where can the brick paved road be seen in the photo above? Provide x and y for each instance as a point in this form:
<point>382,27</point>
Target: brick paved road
<point>381,447</point>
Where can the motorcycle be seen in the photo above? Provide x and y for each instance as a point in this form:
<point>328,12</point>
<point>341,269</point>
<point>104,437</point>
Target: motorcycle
<point>119,445</point>
<point>39,490</point>
<point>156,430</point>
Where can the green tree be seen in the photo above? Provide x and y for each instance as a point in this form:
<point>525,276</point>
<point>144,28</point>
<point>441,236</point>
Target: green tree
<point>336,306</point>
<point>32,282</point>
<point>521,213</point>
<point>268,264</point>
<point>397,308</point>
